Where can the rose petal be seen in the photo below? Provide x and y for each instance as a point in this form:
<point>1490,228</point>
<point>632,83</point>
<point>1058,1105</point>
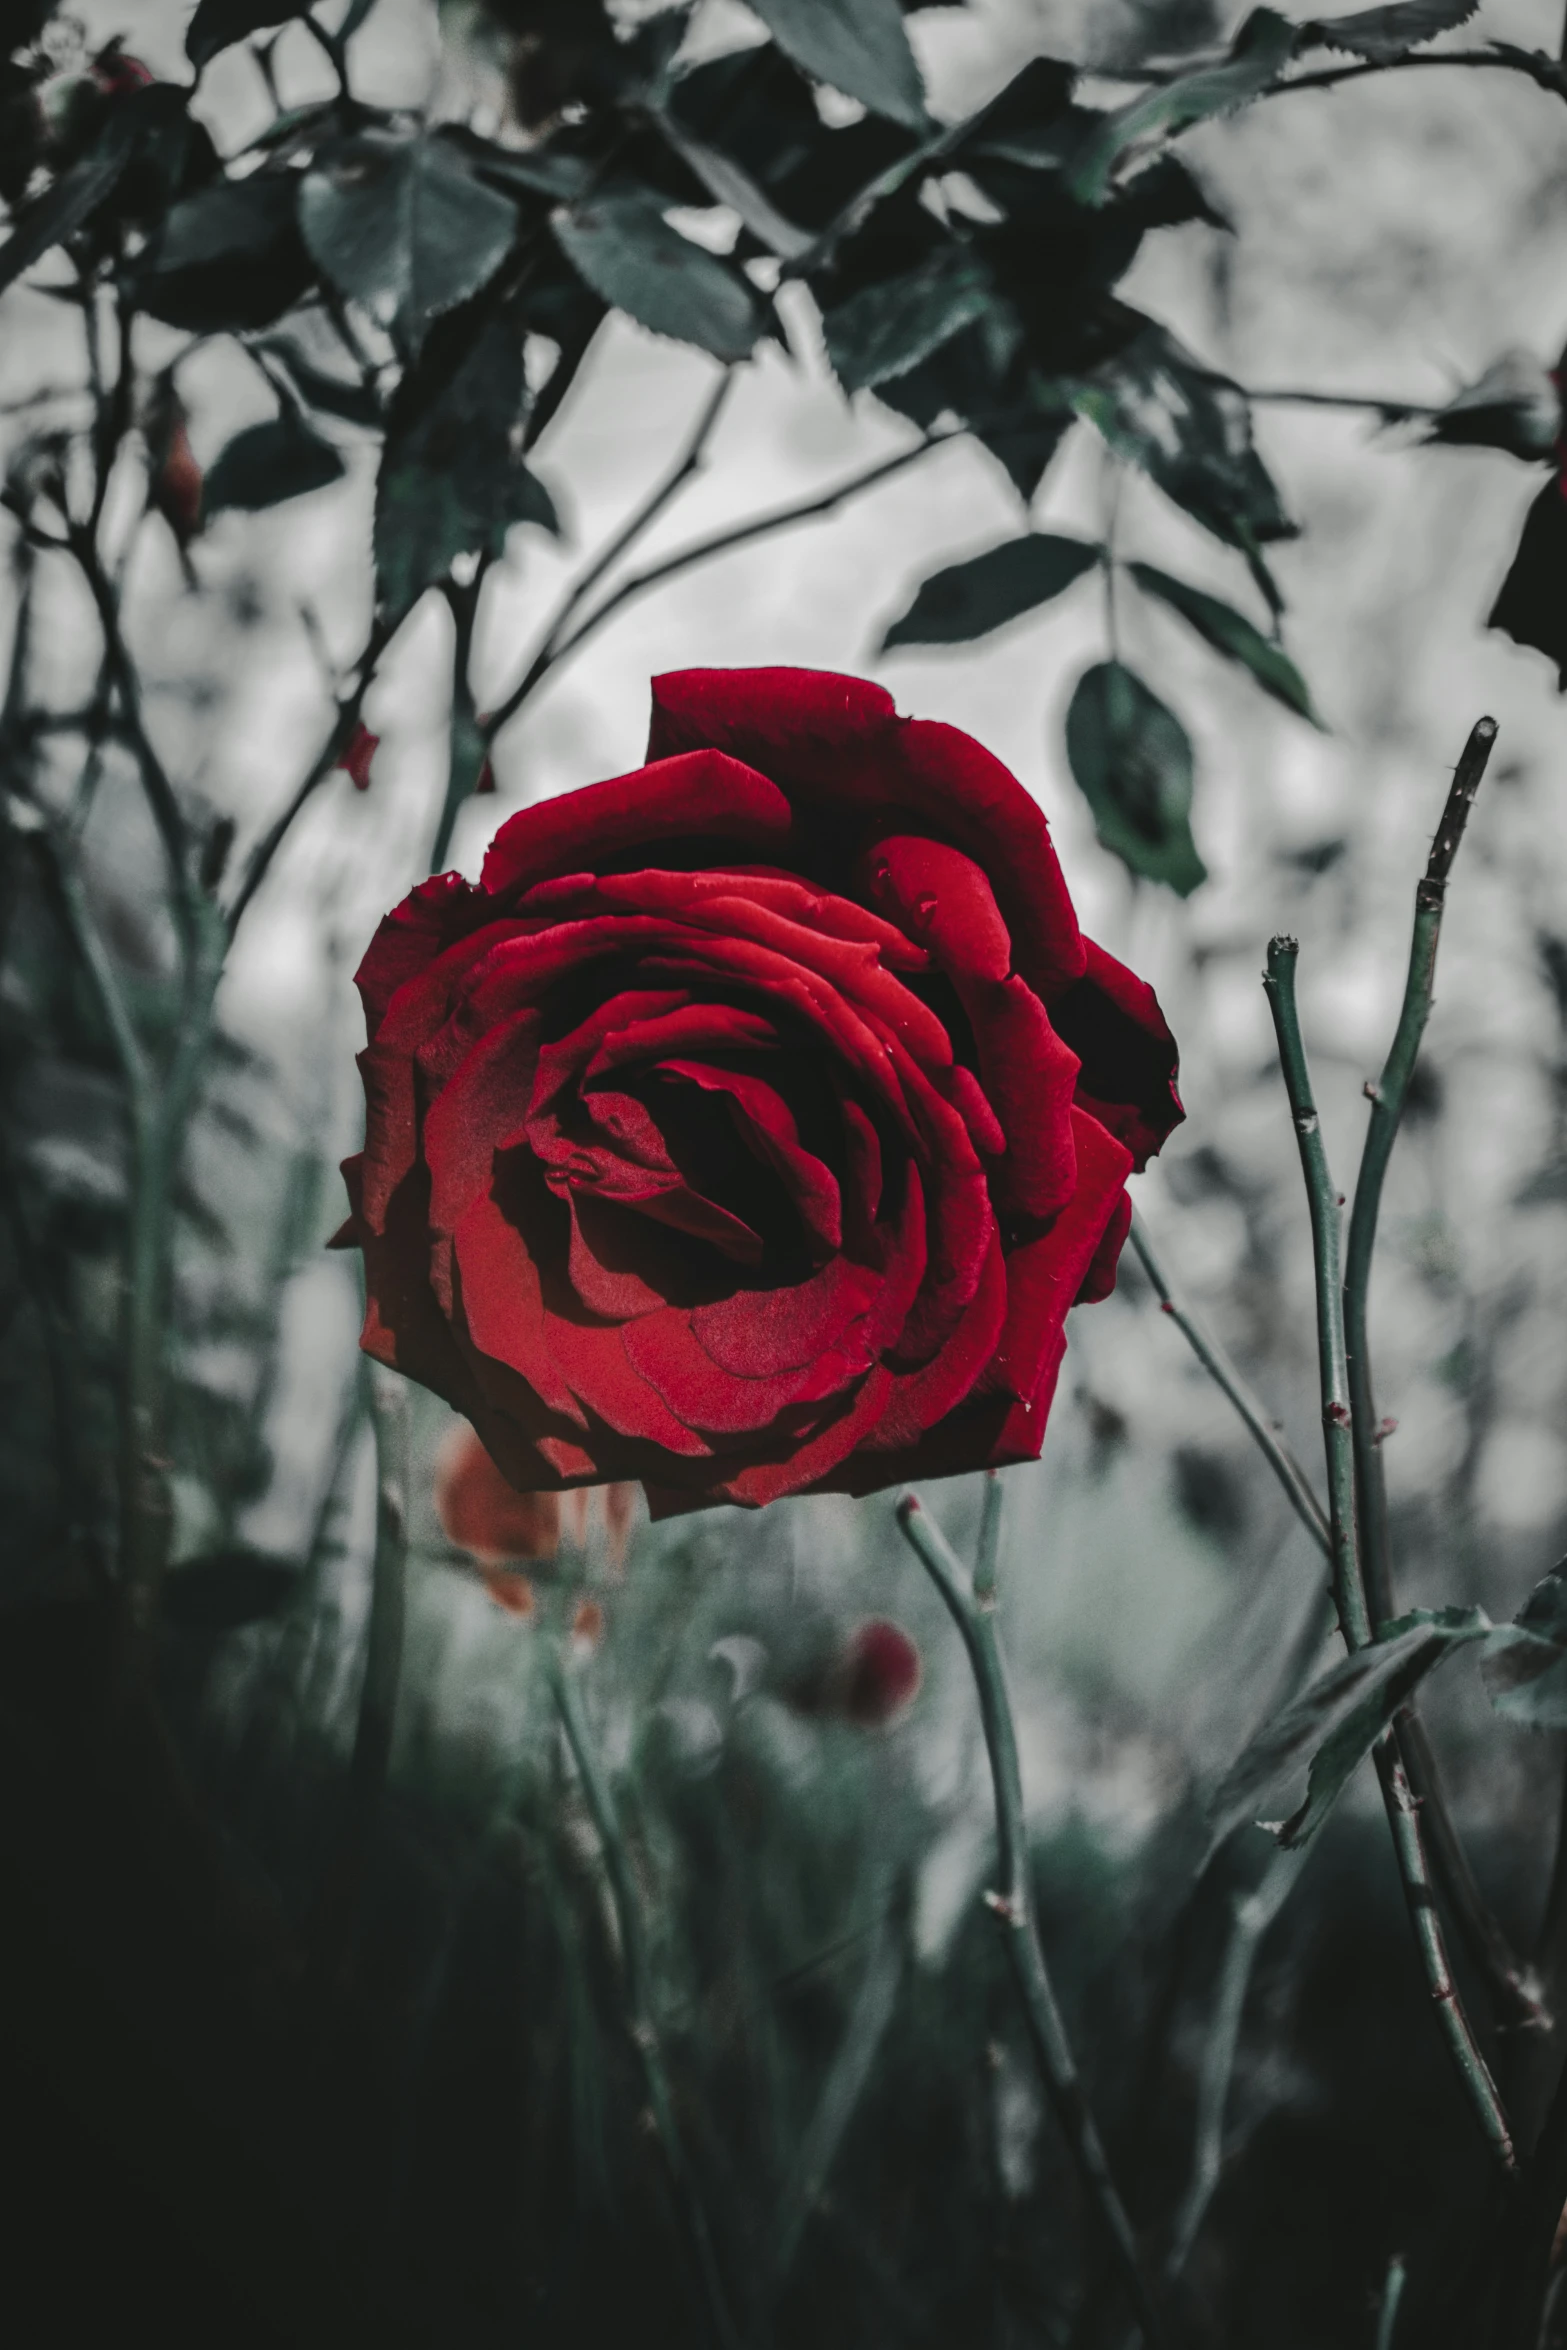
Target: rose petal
<point>1112,1021</point>
<point>700,799</point>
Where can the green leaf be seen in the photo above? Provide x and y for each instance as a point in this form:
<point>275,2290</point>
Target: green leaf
<point>969,599</point>
<point>727,184</point>
<point>1190,431</point>
<point>1525,1663</point>
<point>1530,606</point>
<point>401,226</point>
<point>227,1588</point>
<point>60,211</point>
<point>857,46</point>
<point>451,481</point>
<point>230,257</point>
<point>1231,633</point>
<point>268,464</point>
<point>1258,54</point>
<point>1335,1723</point>
<point>1514,406</point>
<point>1383,35</point>
<point>218,24</point>
<point>1131,759</point>
<point>886,329</point>
<point>623,248</point>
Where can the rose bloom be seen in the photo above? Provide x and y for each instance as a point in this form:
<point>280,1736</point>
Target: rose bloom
<point>752,1125</point>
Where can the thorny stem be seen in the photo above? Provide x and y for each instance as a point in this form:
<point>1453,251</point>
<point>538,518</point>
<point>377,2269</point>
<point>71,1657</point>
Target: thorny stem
<point>972,1609</point>
<point>1269,1435</point>
<point>639,2004</point>
<point>1348,1588</point>
<point>336,743</point>
<point>1388,1097</point>
<point>1517,1999</point>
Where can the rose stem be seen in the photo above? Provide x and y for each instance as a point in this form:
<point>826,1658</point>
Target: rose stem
<point>1270,1437</point>
<point>640,2019</point>
<point>337,1909</point>
<point>1388,1097</point>
<point>972,1607</point>
<point>1517,2001</point>
<point>1348,1590</point>
<point>1484,1939</point>
<point>1251,1915</point>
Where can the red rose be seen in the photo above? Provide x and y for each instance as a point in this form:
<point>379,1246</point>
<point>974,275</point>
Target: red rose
<point>753,1124</point>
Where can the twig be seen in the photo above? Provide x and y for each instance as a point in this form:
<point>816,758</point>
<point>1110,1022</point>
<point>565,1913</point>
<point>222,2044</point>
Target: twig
<point>338,736</point>
<point>337,1910</point>
<point>689,462</point>
<point>1267,1431</point>
<point>465,751</point>
<point>1541,71</point>
<point>1388,1097</point>
<point>1392,2299</point>
<point>1517,1998</point>
<point>1251,1916</point>
<point>972,1608</point>
<point>639,2004</point>
<point>1348,1588</point>
<point>698,552</point>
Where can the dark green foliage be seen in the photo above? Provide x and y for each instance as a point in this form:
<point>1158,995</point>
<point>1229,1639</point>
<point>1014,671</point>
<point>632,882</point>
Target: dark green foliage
<point>1261,49</point>
<point>228,258</point>
<point>889,327</point>
<point>857,46</point>
<point>452,480</point>
<point>217,24</point>
<point>1190,431</point>
<point>625,250</point>
<point>404,228</point>
<point>1231,633</point>
<point>969,599</point>
<point>268,464</point>
<point>1331,1727</point>
<point>61,209</point>
<point>1525,1663</point>
<point>1132,760</point>
<point>1385,34</point>
<point>1531,607</point>
<point>1514,406</point>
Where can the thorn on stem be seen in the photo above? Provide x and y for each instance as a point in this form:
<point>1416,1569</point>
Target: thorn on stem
<point>1005,1908</point>
<point>1336,1414</point>
<point>1384,1429</point>
<point>1371,1090</point>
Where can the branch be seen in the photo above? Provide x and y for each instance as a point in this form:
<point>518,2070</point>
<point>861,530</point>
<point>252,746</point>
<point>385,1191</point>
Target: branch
<point>343,724</point>
<point>698,552</point>
<point>640,2017</point>
<point>1541,70</point>
<point>337,1910</point>
<point>1348,1588</point>
<point>1267,1431</point>
<point>972,1608</point>
<point>640,520</point>
<point>1251,1916</point>
<point>465,743</point>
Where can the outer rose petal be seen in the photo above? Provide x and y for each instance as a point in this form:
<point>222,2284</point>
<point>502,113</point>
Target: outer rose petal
<point>838,748</point>
<point>703,798</point>
<point>1112,1021</point>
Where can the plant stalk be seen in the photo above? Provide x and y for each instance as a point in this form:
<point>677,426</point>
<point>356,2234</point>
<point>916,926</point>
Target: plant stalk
<point>972,1608</point>
<point>1348,1588</point>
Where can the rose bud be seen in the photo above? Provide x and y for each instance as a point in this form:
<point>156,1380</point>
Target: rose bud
<point>176,484</point>
<point>358,753</point>
<point>751,1127</point>
<point>482,1514</point>
<point>878,1675</point>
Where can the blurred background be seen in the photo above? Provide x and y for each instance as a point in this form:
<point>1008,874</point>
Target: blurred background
<point>460,2157</point>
